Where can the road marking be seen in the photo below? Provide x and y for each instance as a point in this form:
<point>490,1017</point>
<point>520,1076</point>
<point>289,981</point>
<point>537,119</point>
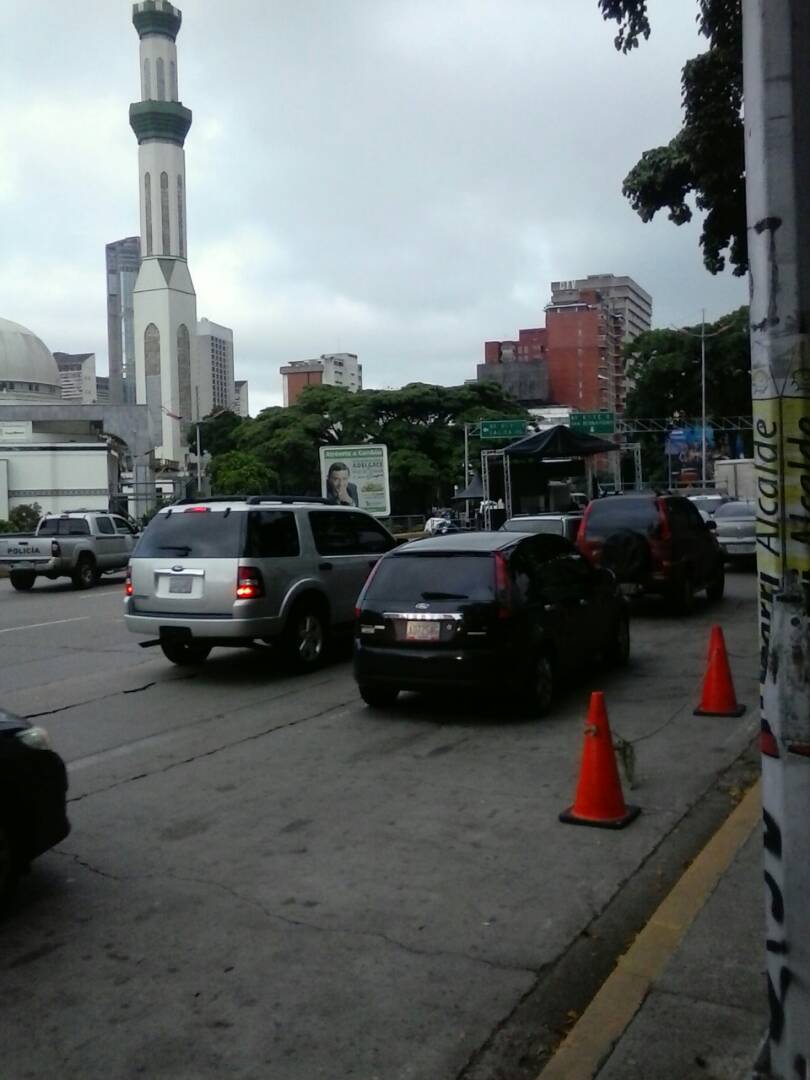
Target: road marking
<point>590,1042</point>
<point>38,625</point>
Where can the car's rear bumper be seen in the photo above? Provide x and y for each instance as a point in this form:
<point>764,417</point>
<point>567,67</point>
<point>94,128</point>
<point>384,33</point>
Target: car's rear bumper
<point>737,548</point>
<point>430,669</point>
<point>154,623</point>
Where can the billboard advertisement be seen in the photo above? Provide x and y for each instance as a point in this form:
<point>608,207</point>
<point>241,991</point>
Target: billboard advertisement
<point>357,476</point>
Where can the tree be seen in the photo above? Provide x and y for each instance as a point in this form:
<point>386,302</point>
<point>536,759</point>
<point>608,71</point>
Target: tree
<point>664,368</point>
<point>239,473</point>
<point>422,426</point>
<point>216,432</point>
<point>706,158</point>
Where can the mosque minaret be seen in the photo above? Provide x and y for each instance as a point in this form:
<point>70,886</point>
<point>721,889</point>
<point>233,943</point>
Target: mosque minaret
<point>165,304</point>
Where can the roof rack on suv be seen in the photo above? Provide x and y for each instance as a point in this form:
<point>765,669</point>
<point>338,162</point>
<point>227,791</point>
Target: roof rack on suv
<point>253,500</point>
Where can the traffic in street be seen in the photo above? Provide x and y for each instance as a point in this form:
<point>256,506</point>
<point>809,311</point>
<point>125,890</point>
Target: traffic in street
<point>266,876</point>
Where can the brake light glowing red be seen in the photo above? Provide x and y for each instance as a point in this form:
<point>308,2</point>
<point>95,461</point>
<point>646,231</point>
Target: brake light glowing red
<point>197,510</point>
<point>249,583</point>
<point>128,583</point>
<point>503,585</point>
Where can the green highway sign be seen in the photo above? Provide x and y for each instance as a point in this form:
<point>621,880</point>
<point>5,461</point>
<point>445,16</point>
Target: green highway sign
<point>594,423</point>
<point>502,429</point>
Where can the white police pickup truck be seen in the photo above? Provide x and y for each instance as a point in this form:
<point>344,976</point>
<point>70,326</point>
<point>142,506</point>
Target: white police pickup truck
<point>81,545</point>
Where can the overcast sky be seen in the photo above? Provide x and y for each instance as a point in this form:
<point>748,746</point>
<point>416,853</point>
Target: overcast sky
<point>397,178</point>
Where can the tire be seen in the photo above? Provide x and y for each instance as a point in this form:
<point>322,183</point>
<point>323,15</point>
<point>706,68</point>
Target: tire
<point>627,554</point>
<point>185,653</point>
<point>22,580</point>
<point>378,697</point>
<point>717,586</point>
<point>682,596</point>
<point>86,574</point>
<point>538,696</point>
<point>9,867</point>
<point>617,651</point>
<point>304,640</point>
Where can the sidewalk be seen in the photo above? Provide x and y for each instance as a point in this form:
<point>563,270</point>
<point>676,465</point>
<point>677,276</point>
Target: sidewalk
<point>688,1000</point>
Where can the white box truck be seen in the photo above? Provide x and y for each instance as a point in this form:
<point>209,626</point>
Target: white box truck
<point>736,477</point>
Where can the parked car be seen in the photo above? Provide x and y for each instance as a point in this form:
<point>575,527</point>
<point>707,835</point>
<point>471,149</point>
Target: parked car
<point>708,504</point>
<point>33,787</point>
<point>654,544</point>
<point>81,545</point>
<point>562,524</point>
<point>233,571</point>
<point>490,611</point>
<point>735,523</point>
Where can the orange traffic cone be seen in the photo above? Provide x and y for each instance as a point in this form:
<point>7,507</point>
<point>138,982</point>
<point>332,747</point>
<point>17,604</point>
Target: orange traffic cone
<point>598,800</point>
<point>718,697</point>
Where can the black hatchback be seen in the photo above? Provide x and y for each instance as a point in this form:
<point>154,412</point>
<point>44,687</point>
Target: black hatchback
<point>498,612</point>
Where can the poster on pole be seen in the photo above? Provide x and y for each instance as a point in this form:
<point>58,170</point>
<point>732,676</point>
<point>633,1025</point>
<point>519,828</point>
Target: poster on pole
<point>357,476</point>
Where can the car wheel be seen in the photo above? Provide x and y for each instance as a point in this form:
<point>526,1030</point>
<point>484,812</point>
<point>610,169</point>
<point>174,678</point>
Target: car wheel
<point>22,580</point>
<point>304,640</point>
<point>185,653</point>
<point>683,595</point>
<point>86,574</point>
<point>627,554</point>
<point>539,693</point>
<point>717,586</point>
<point>9,869</point>
<point>378,697</point>
<point>617,652</point>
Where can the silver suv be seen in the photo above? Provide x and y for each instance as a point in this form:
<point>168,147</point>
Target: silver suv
<point>239,570</point>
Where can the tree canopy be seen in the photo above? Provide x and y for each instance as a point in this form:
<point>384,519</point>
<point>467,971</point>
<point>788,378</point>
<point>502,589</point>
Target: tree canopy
<point>422,426</point>
<point>664,369</point>
<point>705,160</point>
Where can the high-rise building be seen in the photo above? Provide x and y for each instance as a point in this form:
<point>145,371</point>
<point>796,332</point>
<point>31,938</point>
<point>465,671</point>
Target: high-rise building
<point>123,259</point>
<point>330,369</point>
<point>241,402</point>
<point>103,390</point>
<point>164,301</point>
<point>77,377</point>
<point>518,366</point>
<point>587,324</point>
<point>213,359</point>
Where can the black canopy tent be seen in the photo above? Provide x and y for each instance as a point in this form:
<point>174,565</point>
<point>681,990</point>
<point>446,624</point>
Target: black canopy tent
<point>473,490</point>
<point>557,444</point>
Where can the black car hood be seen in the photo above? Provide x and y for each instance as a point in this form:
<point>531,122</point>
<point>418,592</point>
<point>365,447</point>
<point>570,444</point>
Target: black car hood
<point>11,724</point>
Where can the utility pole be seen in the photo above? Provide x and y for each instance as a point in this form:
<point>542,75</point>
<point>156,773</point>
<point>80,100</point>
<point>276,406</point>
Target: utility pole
<point>776,46</point>
<point>703,399</point>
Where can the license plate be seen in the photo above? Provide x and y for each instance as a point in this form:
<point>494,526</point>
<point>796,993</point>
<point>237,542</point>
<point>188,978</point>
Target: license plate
<point>416,630</point>
<point>180,584</point>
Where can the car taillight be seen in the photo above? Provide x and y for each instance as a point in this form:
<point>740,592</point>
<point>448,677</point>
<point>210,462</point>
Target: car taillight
<point>365,588</point>
<point>128,582</point>
<point>503,585</point>
<point>55,549</point>
<point>589,548</point>
<point>249,583</point>
<point>197,510</point>
<point>664,532</point>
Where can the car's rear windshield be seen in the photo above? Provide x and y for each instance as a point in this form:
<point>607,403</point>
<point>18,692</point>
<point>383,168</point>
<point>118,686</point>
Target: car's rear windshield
<point>64,527</point>
<point>735,510</point>
<point>183,534</point>
<point>607,516</point>
<point>535,525</point>
<point>409,578</point>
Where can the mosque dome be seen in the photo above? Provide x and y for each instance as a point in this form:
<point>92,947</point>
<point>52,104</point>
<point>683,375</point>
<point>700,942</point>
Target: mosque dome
<point>28,372</point>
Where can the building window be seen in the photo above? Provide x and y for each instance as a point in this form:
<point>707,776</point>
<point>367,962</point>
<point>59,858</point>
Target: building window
<point>184,370</point>
<point>147,80</point>
<point>181,218</point>
<point>151,348</point>
<point>164,213</point>
<point>161,79</point>
<point>173,79</point>
<point>147,199</point>
<point>154,392</point>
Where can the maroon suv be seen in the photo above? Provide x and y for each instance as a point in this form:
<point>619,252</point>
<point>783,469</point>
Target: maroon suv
<point>654,543</point>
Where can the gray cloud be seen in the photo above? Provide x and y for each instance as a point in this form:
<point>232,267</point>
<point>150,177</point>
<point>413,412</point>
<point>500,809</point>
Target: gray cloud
<point>402,180</point>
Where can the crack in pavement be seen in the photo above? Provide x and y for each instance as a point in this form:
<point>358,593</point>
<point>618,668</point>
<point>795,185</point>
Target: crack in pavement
<point>215,750</point>
<point>96,700</point>
<point>86,865</point>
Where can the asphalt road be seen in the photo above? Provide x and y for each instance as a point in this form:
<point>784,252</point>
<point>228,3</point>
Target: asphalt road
<point>266,879</point>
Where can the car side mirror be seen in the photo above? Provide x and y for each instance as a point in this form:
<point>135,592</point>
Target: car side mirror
<point>711,525</point>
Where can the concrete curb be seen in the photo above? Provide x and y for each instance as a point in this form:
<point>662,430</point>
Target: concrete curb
<point>590,1041</point>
